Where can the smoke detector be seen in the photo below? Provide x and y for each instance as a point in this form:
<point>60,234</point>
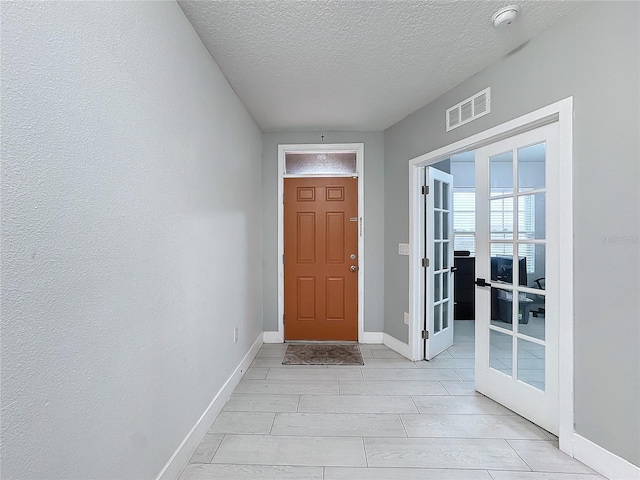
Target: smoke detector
<point>505,16</point>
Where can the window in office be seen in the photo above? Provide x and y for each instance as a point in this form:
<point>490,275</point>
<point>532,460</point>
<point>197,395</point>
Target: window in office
<point>464,219</point>
<point>502,221</point>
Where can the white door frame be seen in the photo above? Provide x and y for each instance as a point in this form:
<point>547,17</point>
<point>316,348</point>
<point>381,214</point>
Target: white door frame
<point>561,112</point>
<point>318,148</point>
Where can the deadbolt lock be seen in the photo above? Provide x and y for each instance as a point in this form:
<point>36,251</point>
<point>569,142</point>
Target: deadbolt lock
<point>352,256</point>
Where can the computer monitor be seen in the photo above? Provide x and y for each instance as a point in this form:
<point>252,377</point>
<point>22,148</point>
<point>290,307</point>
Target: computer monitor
<point>502,269</point>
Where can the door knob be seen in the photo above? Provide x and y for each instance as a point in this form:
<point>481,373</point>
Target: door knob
<point>353,268</point>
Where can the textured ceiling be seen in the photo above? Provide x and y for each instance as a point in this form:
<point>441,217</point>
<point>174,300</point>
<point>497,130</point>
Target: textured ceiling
<point>301,65</point>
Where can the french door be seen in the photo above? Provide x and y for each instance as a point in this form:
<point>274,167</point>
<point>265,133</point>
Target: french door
<point>516,264</point>
<point>438,262</point>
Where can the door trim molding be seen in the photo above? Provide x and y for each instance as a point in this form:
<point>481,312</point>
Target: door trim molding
<point>562,113</point>
<point>321,147</point>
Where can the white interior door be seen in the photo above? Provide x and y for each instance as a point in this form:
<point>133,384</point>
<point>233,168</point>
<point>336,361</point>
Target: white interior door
<point>439,255</point>
<point>516,266</point>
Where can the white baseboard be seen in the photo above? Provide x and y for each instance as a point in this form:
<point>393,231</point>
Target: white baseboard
<point>185,450</point>
<point>371,337</point>
<point>603,461</point>
<point>272,337</point>
<point>395,344</point>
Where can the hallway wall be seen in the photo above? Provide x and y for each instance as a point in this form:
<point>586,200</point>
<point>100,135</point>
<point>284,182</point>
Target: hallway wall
<point>130,236</point>
<point>593,56</point>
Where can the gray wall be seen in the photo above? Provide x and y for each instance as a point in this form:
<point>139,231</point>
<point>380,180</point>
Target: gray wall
<point>594,56</point>
<point>130,236</point>
<point>373,224</point>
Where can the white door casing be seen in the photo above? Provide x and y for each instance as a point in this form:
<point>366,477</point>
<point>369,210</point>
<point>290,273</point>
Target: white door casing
<point>283,149</point>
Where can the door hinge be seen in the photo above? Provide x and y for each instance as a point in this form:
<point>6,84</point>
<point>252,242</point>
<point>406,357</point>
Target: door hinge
<point>425,190</point>
<point>425,262</point>
<point>283,258</point>
<point>283,319</point>
<point>425,334</point>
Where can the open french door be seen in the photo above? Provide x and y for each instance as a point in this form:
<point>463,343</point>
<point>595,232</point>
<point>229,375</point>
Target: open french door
<point>517,268</point>
<point>438,262</point>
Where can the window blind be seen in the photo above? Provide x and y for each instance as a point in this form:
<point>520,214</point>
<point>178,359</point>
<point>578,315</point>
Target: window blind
<point>501,215</point>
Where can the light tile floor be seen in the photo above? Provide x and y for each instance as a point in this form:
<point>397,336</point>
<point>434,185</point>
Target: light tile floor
<point>388,419</point>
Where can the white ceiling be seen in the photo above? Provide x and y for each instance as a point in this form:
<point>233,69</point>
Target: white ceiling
<point>301,65</point>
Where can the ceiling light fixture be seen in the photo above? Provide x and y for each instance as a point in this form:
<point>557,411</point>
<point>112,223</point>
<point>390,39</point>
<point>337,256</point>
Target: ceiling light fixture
<point>505,16</point>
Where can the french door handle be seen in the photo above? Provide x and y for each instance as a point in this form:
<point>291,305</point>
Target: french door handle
<point>481,282</point>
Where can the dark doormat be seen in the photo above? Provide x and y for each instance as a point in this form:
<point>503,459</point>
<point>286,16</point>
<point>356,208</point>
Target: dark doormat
<point>322,354</point>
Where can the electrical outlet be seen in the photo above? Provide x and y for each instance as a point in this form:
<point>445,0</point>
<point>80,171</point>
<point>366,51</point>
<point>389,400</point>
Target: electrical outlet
<point>406,318</point>
<point>235,335</point>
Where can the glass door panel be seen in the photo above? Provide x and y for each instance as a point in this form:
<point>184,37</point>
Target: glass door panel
<point>531,167</point>
<point>501,168</point>
<point>502,218</point>
<point>501,352</point>
<point>531,363</point>
<point>502,263</point>
<point>502,308</point>
<point>531,217</point>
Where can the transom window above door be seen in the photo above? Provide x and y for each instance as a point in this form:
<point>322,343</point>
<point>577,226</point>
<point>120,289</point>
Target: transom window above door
<point>321,163</point>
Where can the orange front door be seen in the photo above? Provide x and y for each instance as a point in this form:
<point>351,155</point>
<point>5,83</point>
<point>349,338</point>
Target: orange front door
<point>320,247</point>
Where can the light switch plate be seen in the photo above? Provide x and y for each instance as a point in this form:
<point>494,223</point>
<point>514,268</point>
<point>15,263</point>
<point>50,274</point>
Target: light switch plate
<point>403,249</point>
<point>406,318</point>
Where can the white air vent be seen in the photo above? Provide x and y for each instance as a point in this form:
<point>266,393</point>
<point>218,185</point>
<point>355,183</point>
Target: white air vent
<point>469,109</point>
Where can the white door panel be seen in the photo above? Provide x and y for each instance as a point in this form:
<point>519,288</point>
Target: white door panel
<point>439,252</point>
<point>516,266</point>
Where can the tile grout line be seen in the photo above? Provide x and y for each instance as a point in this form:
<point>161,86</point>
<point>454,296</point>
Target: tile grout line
<point>273,423</point>
<point>224,435</point>
<point>460,376</point>
<point>445,388</point>
<point>414,404</point>
<point>519,456</point>
<point>403,425</point>
<point>364,448</point>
